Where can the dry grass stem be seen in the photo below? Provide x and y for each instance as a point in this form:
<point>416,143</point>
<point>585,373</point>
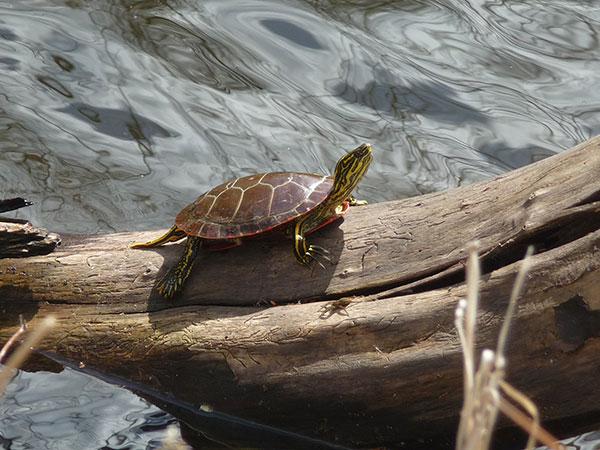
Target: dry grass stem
<point>470,316</point>
<point>12,339</point>
<point>483,389</point>
<point>535,431</point>
<point>22,352</point>
<point>514,296</point>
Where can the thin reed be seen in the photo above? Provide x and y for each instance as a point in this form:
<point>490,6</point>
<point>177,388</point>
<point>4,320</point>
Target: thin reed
<point>22,352</point>
<point>486,391</point>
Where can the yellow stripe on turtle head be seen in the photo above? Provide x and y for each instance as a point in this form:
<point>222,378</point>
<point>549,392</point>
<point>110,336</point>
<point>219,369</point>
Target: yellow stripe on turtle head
<point>349,171</point>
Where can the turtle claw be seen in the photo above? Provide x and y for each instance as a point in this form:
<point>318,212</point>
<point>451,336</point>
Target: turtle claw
<point>319,251</point>
<point>314,258</point>
<point>167,287</point>
<point>314,250</point>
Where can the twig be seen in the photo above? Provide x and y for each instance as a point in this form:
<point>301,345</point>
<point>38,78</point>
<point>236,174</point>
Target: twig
<point>516,292</point>
<point>529,425</point>
<point>12,339</point>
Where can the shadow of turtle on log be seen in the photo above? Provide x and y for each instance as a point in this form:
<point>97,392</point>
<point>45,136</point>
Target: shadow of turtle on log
<point>268,261</point>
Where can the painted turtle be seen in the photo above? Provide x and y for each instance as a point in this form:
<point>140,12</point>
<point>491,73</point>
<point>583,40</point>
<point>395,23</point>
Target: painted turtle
<point>294,203</point>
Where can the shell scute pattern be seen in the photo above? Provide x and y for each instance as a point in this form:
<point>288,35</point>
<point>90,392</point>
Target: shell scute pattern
<point>253,204</point>
<point>226,204</point>
<point>256,203</point>
<point>285,197</point>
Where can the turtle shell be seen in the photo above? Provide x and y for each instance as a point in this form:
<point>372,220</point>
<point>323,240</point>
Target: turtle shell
<point>253,204</point>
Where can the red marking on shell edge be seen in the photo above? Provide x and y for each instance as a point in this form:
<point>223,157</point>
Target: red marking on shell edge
<point>225,244</point>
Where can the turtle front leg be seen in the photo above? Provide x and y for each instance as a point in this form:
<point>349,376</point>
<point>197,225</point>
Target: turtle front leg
<point>173,281</point>
<point>174,234</point>
<point>353,201</point>
<point>305,254</point>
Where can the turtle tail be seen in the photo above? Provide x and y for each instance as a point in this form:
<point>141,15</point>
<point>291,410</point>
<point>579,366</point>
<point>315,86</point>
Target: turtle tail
<point>174,279</point>
<point>174,234</point>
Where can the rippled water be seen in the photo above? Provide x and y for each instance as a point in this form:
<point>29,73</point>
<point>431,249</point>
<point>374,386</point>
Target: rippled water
<point>70,411</point>
<point>114,115</point>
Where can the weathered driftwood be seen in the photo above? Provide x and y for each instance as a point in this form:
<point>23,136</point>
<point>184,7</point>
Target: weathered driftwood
<point>18,238</point>
<point>385,368</point>
<point>10,204</point>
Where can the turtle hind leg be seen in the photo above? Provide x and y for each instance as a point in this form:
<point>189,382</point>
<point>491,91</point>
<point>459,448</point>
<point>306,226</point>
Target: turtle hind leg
<point>174,234</point>
<point>174,279</point>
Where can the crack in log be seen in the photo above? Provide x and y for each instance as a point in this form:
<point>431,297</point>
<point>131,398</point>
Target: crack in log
<point>576,323</point>
<point>592,198</point>
<point>571,226</point>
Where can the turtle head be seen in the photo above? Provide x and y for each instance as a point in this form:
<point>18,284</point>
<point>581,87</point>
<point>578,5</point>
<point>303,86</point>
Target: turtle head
<point>349,171</point>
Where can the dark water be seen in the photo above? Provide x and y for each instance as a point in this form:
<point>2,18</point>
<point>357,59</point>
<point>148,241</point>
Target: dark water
<point>73,411</point>
<point>114,115</point>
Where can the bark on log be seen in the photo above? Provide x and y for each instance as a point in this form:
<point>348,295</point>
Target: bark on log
<point>384,369</point>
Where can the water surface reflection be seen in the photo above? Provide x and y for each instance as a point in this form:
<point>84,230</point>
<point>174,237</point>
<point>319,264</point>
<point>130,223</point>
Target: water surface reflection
<point>116,114</point>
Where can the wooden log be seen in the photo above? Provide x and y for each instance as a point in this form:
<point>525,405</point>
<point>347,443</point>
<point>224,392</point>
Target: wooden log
<point>19,238</point>
<point>384,368</point>
<point>10,204</point>
<point>22,239</point>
